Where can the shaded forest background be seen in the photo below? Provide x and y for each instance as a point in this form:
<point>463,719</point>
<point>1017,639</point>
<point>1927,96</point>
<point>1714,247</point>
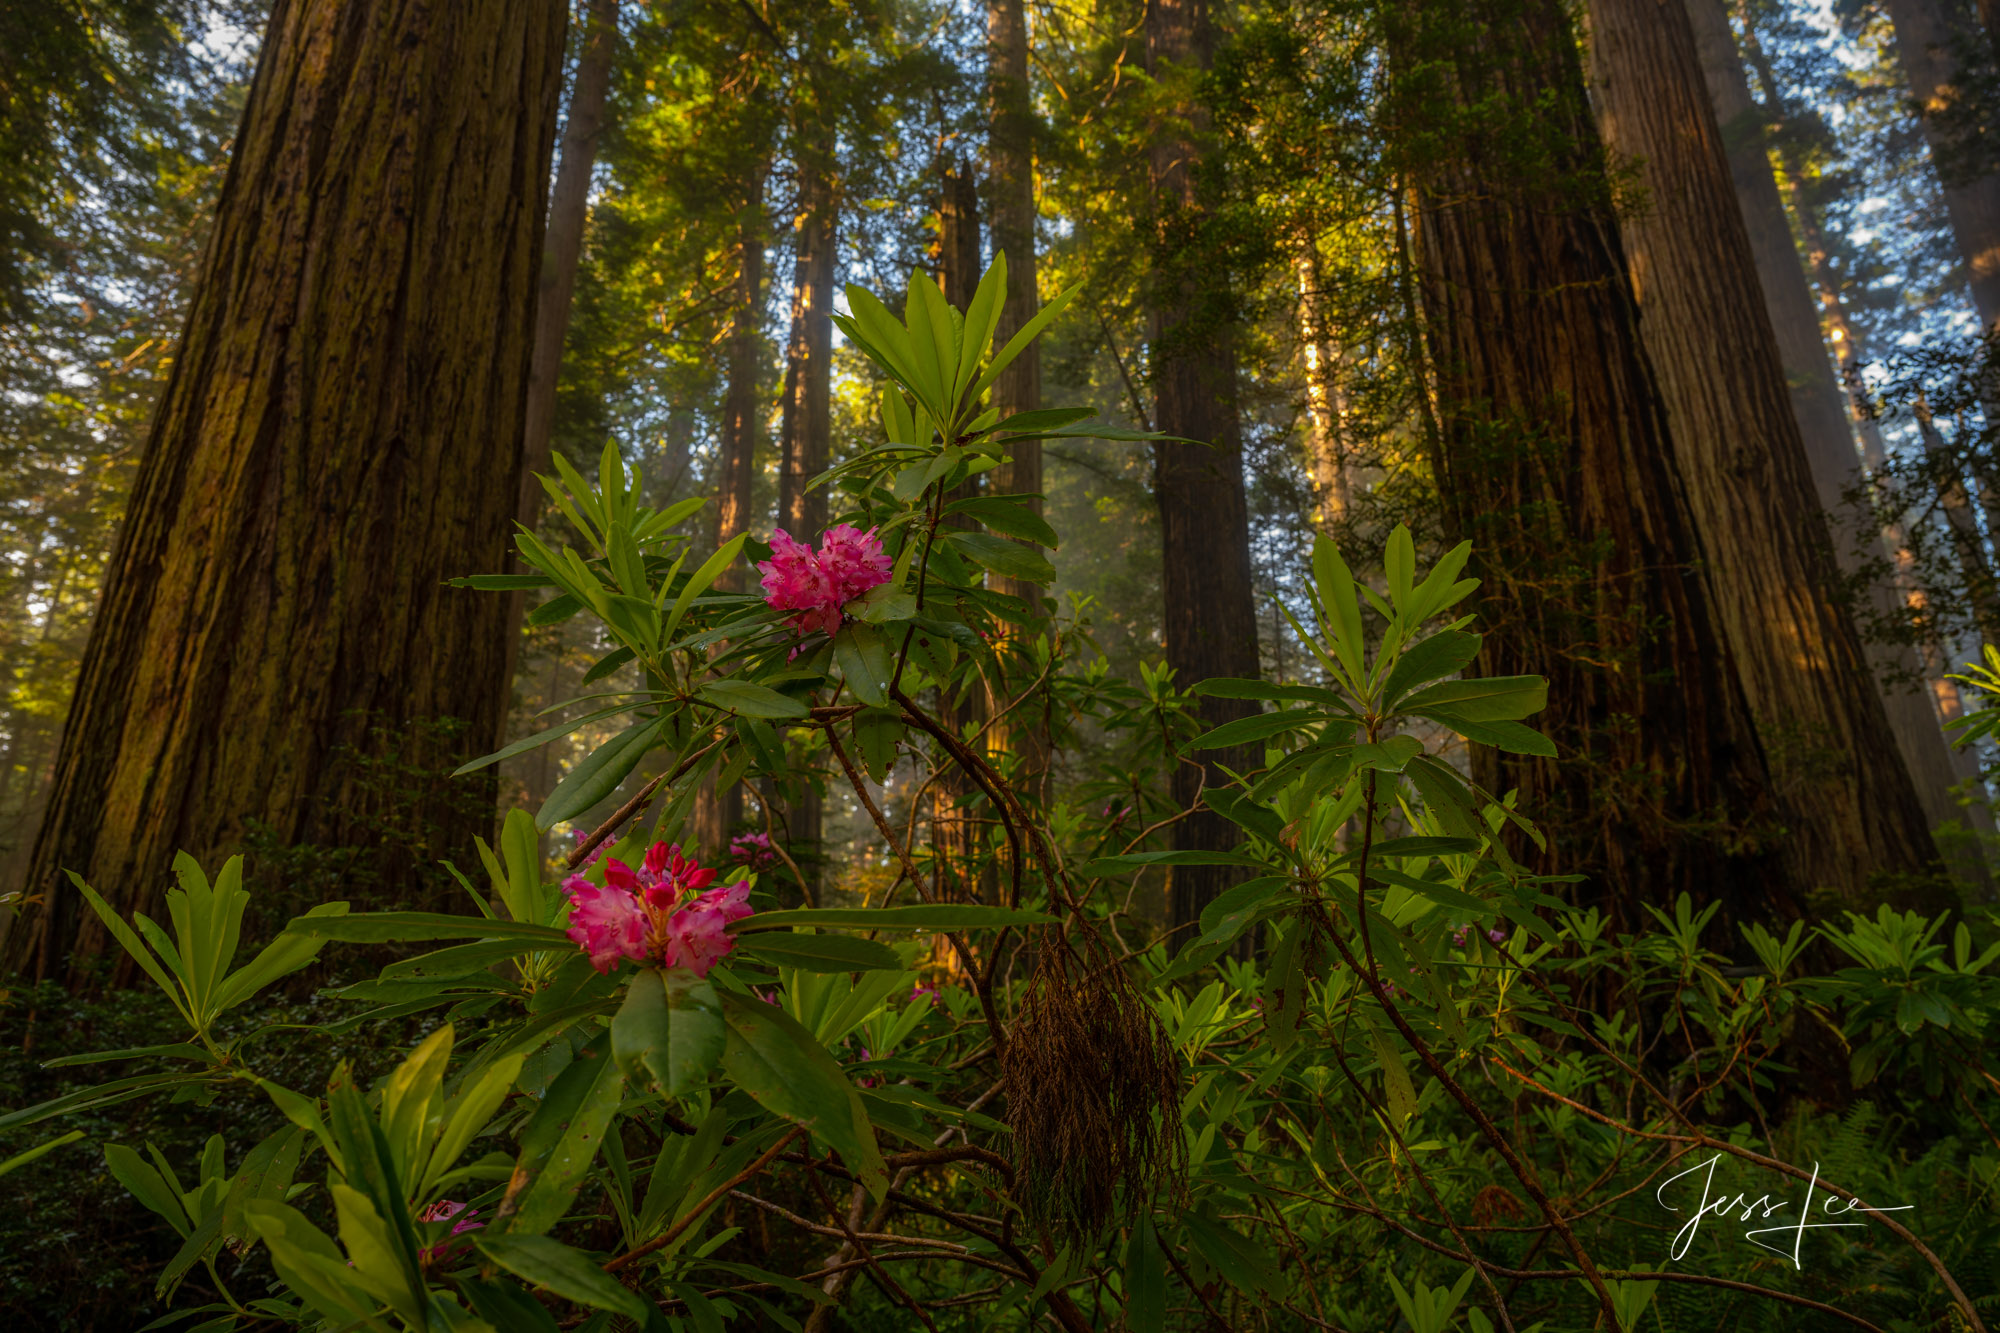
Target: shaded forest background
<point>721,168</point>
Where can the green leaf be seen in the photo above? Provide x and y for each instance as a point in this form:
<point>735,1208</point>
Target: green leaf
<point>280,958</point>
<point>1009,517</point>
<point>1227,687</point>
<point>1259,820</point>
<point>542,738</point>
<point>311,1264</point>
<point>742,697</point>
<point>569,1273</point>
<point>1443,894</point>
<point>558,1157</point>
<point>1483,699</point>
<point>458,960</point>
<point>1026,334</point>
<point>1336,594</point>
<point>599,774</point>
<point>478,1097</point>
<point>1145,1279</point>
<point>883,604</point>
<point>876,733</point>
<point>1005,558</point>
<point>819,953</point>
<point>863,658</point>
<point>131,944</point>
<point>144,1182</point>
<point>21,1159</point>
<point>698,582</point>
<point>1139,860</point>
<point>1262,726</point>
<point>790,1074</point>
<point>1390,755</point>
<point>1237,906</point>
<point>1443,654</point>
<point>1043,419</point>
<point>1426,846</point>
<point>925,917</point>
<point>380,927</point>
<point>671,1027</point>
<point>1395,1078</point>
<point>175,1051</point>
<point>1512,737</point>
<point>1242,1264</point>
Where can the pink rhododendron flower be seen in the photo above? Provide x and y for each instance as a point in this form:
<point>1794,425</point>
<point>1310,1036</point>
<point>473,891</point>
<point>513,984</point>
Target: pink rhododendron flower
<point>658,912</point>
<point>814,585</point>
<point>752,849</point>
<point>445,1210</point>
<point>854,560</point>
<point>608,922</point>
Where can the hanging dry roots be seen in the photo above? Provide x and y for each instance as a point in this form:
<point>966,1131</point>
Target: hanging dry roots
<point>1093,1093</point>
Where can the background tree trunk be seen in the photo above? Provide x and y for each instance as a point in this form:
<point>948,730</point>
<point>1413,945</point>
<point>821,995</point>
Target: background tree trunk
<point>1326,405</point>
<point>1554,459</point>
<point>1842,789</point>
<point>569,210</point>
<point>1925,31</point>
<point>805,413</point>
<point>716,812</point>
<point>339,436</point>
<point>1022,735</point>
<point>1208,612</point>
<point>958,816</point>
<point>1819,403</point>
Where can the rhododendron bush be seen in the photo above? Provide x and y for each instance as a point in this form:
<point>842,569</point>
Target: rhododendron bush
<point>665,1085</point>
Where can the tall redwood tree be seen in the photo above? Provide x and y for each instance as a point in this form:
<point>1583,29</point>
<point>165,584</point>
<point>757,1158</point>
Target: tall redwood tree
<point>1208,612</point>
<point>1554,457</point>
<point>1842,788</point>
<point>339,437</point>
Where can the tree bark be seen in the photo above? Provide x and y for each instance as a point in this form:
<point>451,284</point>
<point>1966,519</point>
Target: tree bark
<point>716,812</point>
<point>1326,402</point>
<point>1555,460</point>
<point>1208,601</point>
<point>1828,417</point>
<point>569,210</point>
<point>805,415</point>
<point>736,461</point>
<point>1021,735</point>
<point>339,436</point>
<point>1925,31</point>
<point>1843,791</point>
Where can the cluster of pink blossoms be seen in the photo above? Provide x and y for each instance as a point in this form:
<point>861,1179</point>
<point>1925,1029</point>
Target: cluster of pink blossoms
<point>816,584</point>
<point>664,912</point>
<point>448,1210</point>
<point>753,850</point>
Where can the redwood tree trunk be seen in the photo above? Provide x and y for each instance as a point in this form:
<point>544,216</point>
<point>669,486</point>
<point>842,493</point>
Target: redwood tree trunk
<point>1844,793</point>
<point>569,210</point>
<point>1925,32</point>
<point>1208,611</point>
<point>806,414</point>
<point>1326,400</point>
<point>339,436</point>
<point>736,464</point>
<point>1554,459</point>
<point>1818,401</point>
<point>715,813</point>
<point>1020,736</point>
